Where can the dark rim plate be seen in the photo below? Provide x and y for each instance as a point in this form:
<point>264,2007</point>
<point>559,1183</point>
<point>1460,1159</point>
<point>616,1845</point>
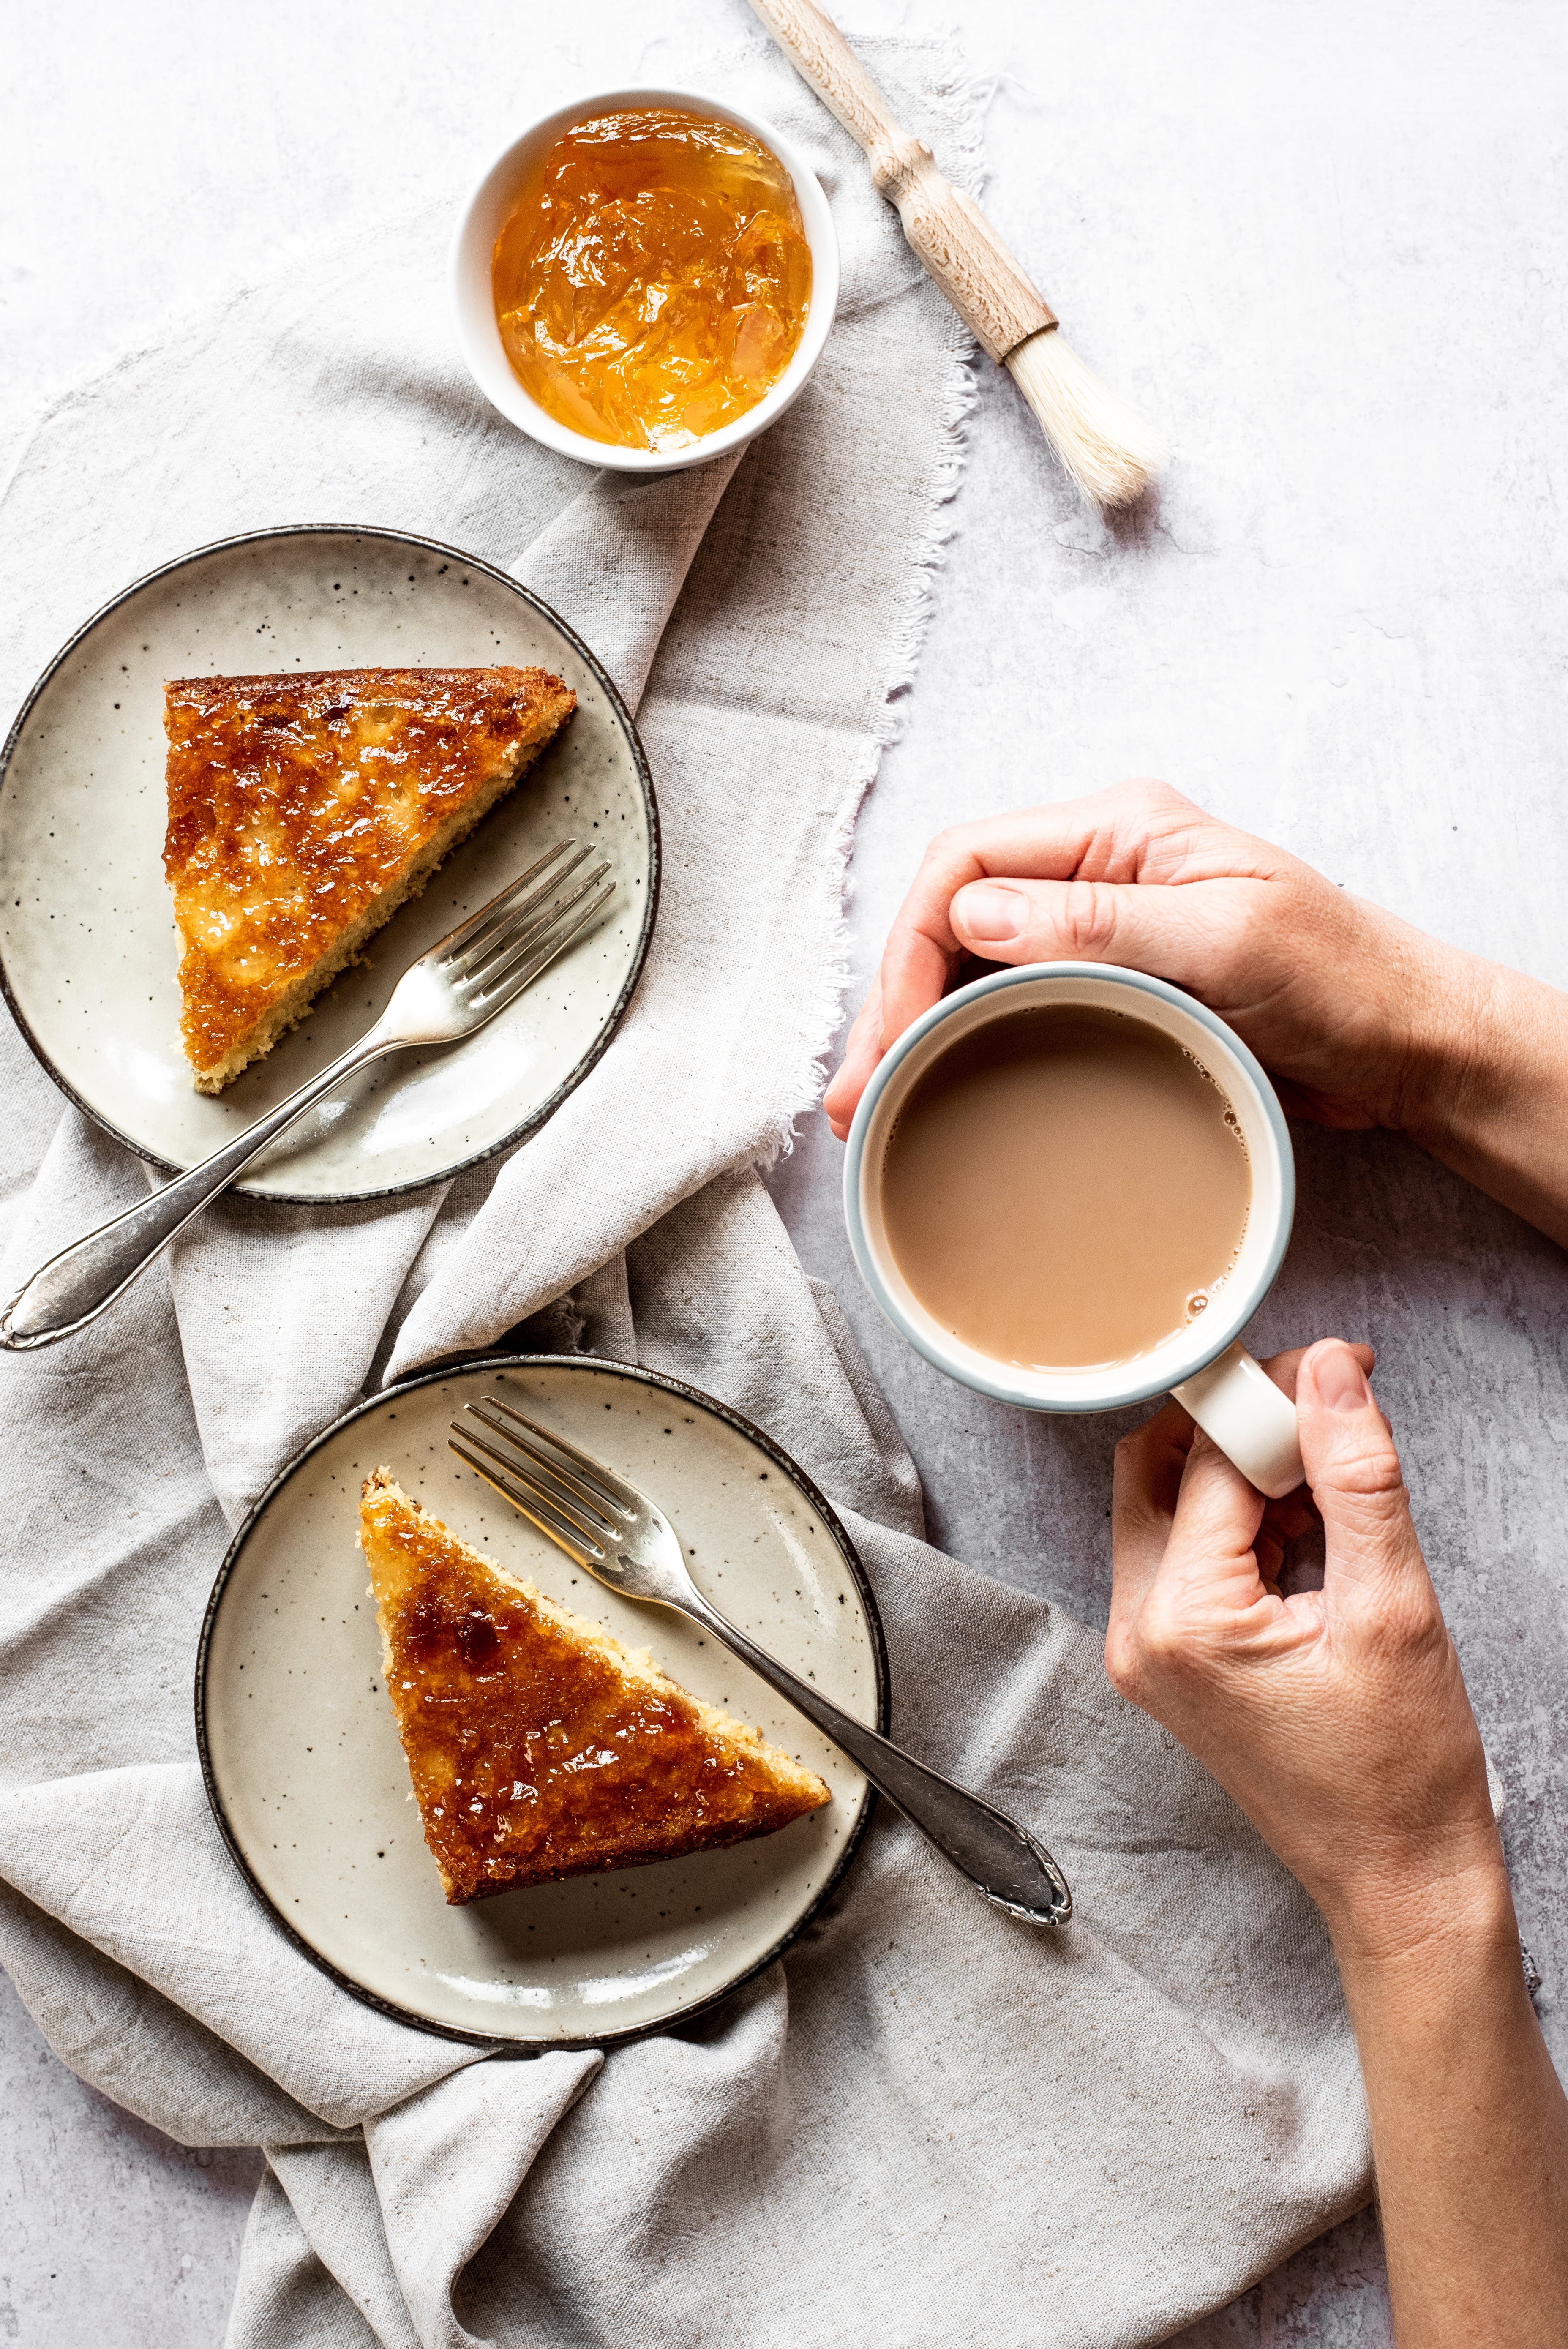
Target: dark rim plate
<point>208,1670</point>
<point>286,1068</point>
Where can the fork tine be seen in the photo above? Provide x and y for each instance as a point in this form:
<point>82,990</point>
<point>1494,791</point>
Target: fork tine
<point>564,1492</point>
<point>510,907</point>
<point>529,1504</point>
<point>521,925</point>
<point>612,1488</point>
<point>501,903</point>
<point>500,985</point>
<point>579,1523</point>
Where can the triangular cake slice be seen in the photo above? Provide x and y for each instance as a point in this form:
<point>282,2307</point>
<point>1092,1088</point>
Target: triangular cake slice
<point>538,1745</point>
<point>303,810</point>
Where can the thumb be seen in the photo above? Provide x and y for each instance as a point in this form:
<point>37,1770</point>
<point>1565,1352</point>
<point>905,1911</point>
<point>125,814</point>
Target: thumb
<point>1351,1464</point>
<point>1176,930</point>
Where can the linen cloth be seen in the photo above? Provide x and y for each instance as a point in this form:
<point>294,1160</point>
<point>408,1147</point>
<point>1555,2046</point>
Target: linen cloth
<point>929,2123</point>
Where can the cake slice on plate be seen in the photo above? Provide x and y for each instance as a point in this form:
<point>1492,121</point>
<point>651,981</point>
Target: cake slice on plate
<point>302,812</point>
<point>538,1745</point>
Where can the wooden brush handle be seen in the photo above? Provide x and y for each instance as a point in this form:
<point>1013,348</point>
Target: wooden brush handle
<point>947,229</point>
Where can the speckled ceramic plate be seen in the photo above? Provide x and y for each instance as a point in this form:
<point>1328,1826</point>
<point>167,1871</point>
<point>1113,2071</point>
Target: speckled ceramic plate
<point>88,949</point>
<point>307,1778</point>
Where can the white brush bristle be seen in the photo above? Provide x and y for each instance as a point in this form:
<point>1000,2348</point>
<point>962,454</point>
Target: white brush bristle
<point>1111,451</point>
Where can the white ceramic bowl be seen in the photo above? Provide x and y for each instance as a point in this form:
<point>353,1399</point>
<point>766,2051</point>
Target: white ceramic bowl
<point>473,298</point>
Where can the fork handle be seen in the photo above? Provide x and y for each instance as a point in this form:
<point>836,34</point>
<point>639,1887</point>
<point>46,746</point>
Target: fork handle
<point>1001,1859</point>
<point>75,1286</point>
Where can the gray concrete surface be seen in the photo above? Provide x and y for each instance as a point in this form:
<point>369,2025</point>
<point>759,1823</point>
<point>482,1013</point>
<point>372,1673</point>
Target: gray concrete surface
<point>1327,252</point>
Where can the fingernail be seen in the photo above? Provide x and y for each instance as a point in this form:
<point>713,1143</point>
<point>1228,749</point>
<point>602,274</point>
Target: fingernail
<point>1341,1381</point>
<point>991,913</point>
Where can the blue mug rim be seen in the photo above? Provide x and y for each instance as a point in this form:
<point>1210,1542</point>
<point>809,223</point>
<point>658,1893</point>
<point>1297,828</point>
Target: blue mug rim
<point>1221,1332</point>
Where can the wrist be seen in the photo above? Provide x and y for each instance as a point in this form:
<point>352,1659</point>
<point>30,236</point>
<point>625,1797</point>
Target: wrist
<point>1436,1005</point>
<point>1392,1919</point>
<point>1489,1096</point>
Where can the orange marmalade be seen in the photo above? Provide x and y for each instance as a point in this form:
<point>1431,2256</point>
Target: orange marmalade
<point>654,278</point>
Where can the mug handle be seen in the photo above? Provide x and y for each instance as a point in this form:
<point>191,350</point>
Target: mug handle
<point>1238,1404</point>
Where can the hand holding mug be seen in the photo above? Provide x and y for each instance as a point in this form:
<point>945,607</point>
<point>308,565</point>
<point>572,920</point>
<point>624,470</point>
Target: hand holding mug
<point>1338,1719</point>
<point>1349,1009</point>
<point>1360,1020</point>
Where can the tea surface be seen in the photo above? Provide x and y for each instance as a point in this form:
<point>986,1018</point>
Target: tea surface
<point>1065,1189</point>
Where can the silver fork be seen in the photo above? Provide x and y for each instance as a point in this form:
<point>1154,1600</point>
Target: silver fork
<point>465,979</point>
<point>614,1533</point>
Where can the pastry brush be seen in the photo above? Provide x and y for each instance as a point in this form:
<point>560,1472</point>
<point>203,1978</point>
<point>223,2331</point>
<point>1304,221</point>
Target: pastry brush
<point>1110,450</point>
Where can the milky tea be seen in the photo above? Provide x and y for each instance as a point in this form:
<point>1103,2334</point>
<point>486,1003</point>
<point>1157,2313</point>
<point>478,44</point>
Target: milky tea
<point>1065,1189</point>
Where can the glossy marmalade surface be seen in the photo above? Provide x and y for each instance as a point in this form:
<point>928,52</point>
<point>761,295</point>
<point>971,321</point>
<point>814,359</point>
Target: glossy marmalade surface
<point>531,1755</point>
<point>653,282</point>
<point>294,800</point>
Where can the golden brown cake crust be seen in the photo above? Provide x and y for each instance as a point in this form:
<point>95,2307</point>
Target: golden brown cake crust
<point>303,809</point>
<point>537,1745</point>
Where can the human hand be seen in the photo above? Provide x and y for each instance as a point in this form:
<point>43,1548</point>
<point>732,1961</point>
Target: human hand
<point>1360,1018</point>
<point>1339,1721</point>
<point>1338,1718</point>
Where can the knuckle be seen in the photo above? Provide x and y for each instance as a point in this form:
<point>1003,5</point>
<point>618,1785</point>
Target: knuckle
<point>1411,1634</point>
<point>1152,803</point>
<point>1152,791</point>
<point>1368,1470</point>
<point>1153,830</point>
<point>1161,1653</point>
<point>1424,1627</point>
<point>950,846</point>
<point>1162,1643</point>
<point>1122,1663</point>
<point>1087,918</point>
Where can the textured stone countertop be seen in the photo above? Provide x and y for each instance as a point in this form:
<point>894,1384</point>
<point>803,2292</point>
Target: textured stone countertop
<point>1326,251</point>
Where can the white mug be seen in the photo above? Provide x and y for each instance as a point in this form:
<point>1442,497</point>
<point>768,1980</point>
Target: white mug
<point>1202,1365</point>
